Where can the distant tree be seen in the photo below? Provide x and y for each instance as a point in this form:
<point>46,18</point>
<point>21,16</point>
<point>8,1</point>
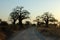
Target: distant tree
<point>23,14</point>
<point>53,20</point>
<point>47,17</point>
<point>28,23</point>
<point>0,21</point>
<point>38,20</point>
<point>19,14</point>
<point>13,16</point>
<point>3,23</point>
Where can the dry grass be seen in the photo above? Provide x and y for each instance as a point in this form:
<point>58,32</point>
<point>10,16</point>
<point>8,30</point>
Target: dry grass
<point>49,31</point>
<point>2,36</point>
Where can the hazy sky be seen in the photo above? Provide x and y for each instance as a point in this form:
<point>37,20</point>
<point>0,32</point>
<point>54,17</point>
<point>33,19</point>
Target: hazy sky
<point>35,7</point>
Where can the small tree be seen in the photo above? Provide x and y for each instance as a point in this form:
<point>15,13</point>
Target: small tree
<point>0,21</point>
<point>47,17</point>
<point>4,23</point>
<point>38,20</point>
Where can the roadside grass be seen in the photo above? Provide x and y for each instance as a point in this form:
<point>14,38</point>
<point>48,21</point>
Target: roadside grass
<point>9,31</point>
<point>49,31</point>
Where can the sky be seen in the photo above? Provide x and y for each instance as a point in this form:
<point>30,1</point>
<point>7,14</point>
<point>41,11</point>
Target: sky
<point>35,7</point>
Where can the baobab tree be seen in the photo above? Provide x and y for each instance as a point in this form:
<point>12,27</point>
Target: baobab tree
<point>23,14</point>
<point>13,16</point>
<point>20,14</point>
<point>47,17</point>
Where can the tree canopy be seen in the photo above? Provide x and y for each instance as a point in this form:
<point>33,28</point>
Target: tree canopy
<point>46,18</point>
<point>19,14</point>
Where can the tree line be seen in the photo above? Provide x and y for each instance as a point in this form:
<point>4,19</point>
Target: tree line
<point>20,14</point>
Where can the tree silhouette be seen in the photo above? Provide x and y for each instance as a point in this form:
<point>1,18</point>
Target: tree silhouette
<point>38,20</point>
<point>13,16</point>
<point>23,14</point>
<point>47,17</point>
<point>3,23</point>
<point>53,20</point>
<point>0,21</point>
<point>19,14</point>
<point>27,23</point>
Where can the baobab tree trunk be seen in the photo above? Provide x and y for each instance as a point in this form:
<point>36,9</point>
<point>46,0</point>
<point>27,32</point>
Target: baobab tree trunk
<point>13,26</point>
<point>47,23</point>
<point>14,22</point>
<point>20,18</point>
<point>20,23</point>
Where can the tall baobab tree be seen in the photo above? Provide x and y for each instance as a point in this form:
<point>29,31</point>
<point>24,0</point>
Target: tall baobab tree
<point>20,14</point>
<point>13,16</point>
